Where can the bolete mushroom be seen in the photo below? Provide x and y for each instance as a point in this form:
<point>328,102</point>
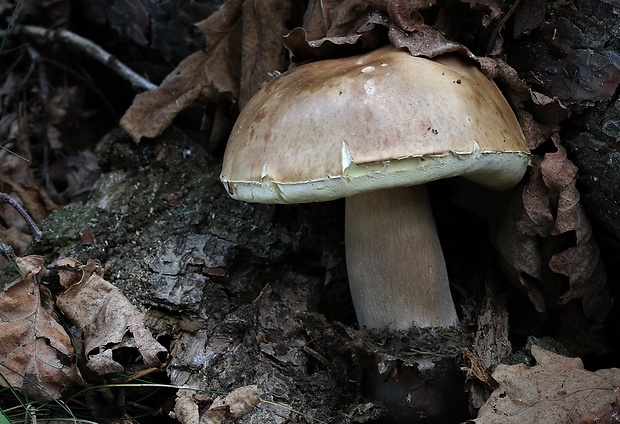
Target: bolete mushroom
<point>374,129</point>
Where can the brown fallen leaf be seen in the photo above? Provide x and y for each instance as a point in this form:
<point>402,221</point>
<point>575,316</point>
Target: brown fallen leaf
<point>535,237</point>
<point>262,52</point>
<point>186,409</point>
<point>546,229</point>
<point>153,111</point>
<point>331,29</point>
<point>109,320</point>
<point>404,12</point>
<point>36,354</point>
<point>302,49</point>
<point>75,176</point>
<point>426,41</point>
<point>318,18</point>
<point>243,46</point>
<point>231,407</point>
<point>554,391</point>
<point>581,263</point>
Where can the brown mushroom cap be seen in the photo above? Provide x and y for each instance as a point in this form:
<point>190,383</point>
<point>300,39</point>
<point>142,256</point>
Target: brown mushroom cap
<point>335,128</point>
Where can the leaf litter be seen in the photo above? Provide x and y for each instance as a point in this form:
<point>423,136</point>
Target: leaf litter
<point>45,127</point>
<point>110,322</point>
<point>555,390</point>
<point>36,352</point>
<point>230,407</point>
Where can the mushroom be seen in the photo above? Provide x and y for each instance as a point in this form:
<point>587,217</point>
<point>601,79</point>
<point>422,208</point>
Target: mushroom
<point>374,129</point>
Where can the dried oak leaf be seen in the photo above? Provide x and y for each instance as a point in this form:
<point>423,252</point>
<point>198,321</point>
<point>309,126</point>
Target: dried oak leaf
<point>326,34</point>
<point>264,25</point>
<point>348,28</point>
<point>426,41</point>
<point>556,390</point>
<point>581,263</point>
<point>231,67</point>
<point>333,29</point>
<point>231,407</point>
<point>304,50</point>
<point>186,409</point>
<point>404,13</point>
<point>334,18</point>
<point>547,209</point>
<point>543,211</point>
<point>73,176</point>
<point>517,241</point>
<point>373,31</point>
<point>36,354</point>
<point>109,320</point>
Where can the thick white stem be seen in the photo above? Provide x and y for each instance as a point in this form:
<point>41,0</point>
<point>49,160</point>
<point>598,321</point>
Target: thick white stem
<point>397,272</point>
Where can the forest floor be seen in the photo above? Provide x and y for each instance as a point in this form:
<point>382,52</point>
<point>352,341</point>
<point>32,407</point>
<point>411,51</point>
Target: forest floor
<point>152,296</point>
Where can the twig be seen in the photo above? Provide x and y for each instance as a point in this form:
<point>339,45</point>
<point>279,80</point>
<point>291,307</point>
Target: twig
<point>36,233</point>
<point>85,46</point>
<point>7,250</point>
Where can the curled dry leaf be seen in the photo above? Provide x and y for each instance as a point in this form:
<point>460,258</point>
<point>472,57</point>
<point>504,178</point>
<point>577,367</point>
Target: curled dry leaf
<point>153,111</point>
<point>332,29</point>
<point>547,210</point>
<point>546,228</point>
<point>185,408</point>
<point>36,354</point>
<point>539,115</point>
<point>426,41</point>
<point>334,18</point>
<point>232,66</point>
<point>581,264</point>
<point>304,50</point>
<point>516,240</point>
<point>264,24</point>
<point>404,12</point>
<point>109,320</point>
<point>233,406</point>
<point>556,390</point>
<point>347,28</point>
<point>335,29</point>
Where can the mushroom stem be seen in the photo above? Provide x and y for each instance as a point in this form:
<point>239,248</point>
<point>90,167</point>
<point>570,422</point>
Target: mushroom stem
<point>397,272</point>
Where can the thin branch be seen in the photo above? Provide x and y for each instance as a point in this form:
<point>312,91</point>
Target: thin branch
<point>36,233</point>
<point>7,251</point>
<point>85,46</point>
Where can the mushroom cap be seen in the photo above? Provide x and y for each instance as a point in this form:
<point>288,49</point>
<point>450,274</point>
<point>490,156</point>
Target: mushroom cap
<point>335,128</point>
